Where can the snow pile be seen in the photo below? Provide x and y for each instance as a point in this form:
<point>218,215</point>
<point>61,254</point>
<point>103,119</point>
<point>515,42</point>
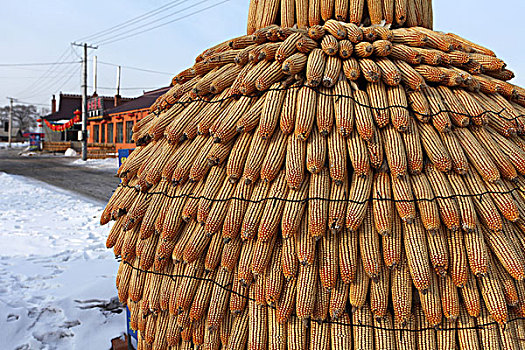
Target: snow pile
<point>57,279</point>
<point>108,163</point>
<point>70,152</point>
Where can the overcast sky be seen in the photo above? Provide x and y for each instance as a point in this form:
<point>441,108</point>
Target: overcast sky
<point>41,32</point>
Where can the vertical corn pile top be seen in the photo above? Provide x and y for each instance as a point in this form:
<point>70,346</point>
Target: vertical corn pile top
<point>343,177</point>
<point>308,13</point>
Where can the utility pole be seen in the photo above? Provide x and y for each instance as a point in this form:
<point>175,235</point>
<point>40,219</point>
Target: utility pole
<point>10,123</point>
<point>84,97</point>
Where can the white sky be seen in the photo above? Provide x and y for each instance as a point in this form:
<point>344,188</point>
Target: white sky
<point>41,31</point>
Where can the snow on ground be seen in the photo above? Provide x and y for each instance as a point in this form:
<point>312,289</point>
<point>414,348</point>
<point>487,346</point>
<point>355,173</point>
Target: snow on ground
<point>108,163</point>
<point>56,276</point>
<point>4,145</point>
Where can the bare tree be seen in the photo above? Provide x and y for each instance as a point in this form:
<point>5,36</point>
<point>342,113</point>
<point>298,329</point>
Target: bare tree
<point>24,116</point>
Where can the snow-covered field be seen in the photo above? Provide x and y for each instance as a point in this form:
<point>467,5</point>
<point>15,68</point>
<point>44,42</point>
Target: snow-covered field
<point>56,276</point>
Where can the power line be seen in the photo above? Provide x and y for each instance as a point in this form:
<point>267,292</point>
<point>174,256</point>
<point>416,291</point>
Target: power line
<point>136,68</point>
<point>133,20</point>
<point>134,32</point>
<point>35,64</point>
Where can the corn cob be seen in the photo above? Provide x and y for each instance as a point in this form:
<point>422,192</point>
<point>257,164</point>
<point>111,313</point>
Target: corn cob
<point>506,253</point>
<point>295,162</point>
<point>379,104</point>
<point>394,151</point>
<point>305,244</point>
<point>351,69</point>
<point>327,9</point>
<point>358,200</point>
<point>276,331</point>
<point>346,48</point>
<point>188,286</point>
<point>513,152</point>
<point>358,288</point>
<point>440,116</point>
<point>363,49</point>
<point>504,200</point>
<point>509,336</point>
<point>230,253</point>
<point>286,303</point>
<point>316,32</point>
<point>437,249</point>
<point>306,45</point>
<point>417,255</point>
<point>328,267</point>
<point>239,296</point>
<point>379,292</point>
<point>363,335</point>
<point>219,298</point>
<point>287,121</point>
<point>200,303</point>
<point>448,207</point>
<point>431,303</point>
<point>214,253</point>
<point>369,247</point>
<point>392,242</point>
<point>271,111</point>
<point>294,64</point>
<point>293,210</point>
<point>337,204</point>
<point>414,150</point>
<point>211,189</point>
<point>236,210</point>
<point>338,297</point>
<point>330,45</point>
<point>382,48</point>
<point>404,199</point>
<point>348,244</point>
<point>419,105</point>
<point>244,271</point>
<point>492,294</point>
<point>273,208</point>
<point>325,112</point>
<point>410,76</point>
<point>287,47</point>
<point>315,67</point>
<point>332,71</point>
<point>382,206</point>
<point>254,210</point>
<point>507,283</point>
<point>471,299</point>
<point>274,277</point>
<point>306,284</point>
<point>449,298</point>
<point>343,107</point>
<point>401,293</point>
<point>305,111</point>
<point>370,70</point>
<point>434,148</point>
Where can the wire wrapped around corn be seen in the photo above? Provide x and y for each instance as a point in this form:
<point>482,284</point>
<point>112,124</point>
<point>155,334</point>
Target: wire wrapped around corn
<point>321,186</point>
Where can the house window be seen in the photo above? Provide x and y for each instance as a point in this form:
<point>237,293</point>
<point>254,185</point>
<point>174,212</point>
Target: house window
<point>103,133</point>
<point>129,131</point>
<point>120,135</point>
<point>110,133</point>
<point>95,133</point>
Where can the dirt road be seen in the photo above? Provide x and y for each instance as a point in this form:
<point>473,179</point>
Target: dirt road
<point>97,184</point>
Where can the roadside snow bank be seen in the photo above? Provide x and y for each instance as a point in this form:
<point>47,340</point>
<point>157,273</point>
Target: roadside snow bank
<point>108,163</point>
<point>57,278</point>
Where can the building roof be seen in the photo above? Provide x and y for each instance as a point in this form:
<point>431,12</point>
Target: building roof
<point>69,103</point>
<point>141,102</point>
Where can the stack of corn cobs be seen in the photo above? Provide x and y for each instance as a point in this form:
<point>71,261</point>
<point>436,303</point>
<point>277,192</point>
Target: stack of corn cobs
<point>338,186</point>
